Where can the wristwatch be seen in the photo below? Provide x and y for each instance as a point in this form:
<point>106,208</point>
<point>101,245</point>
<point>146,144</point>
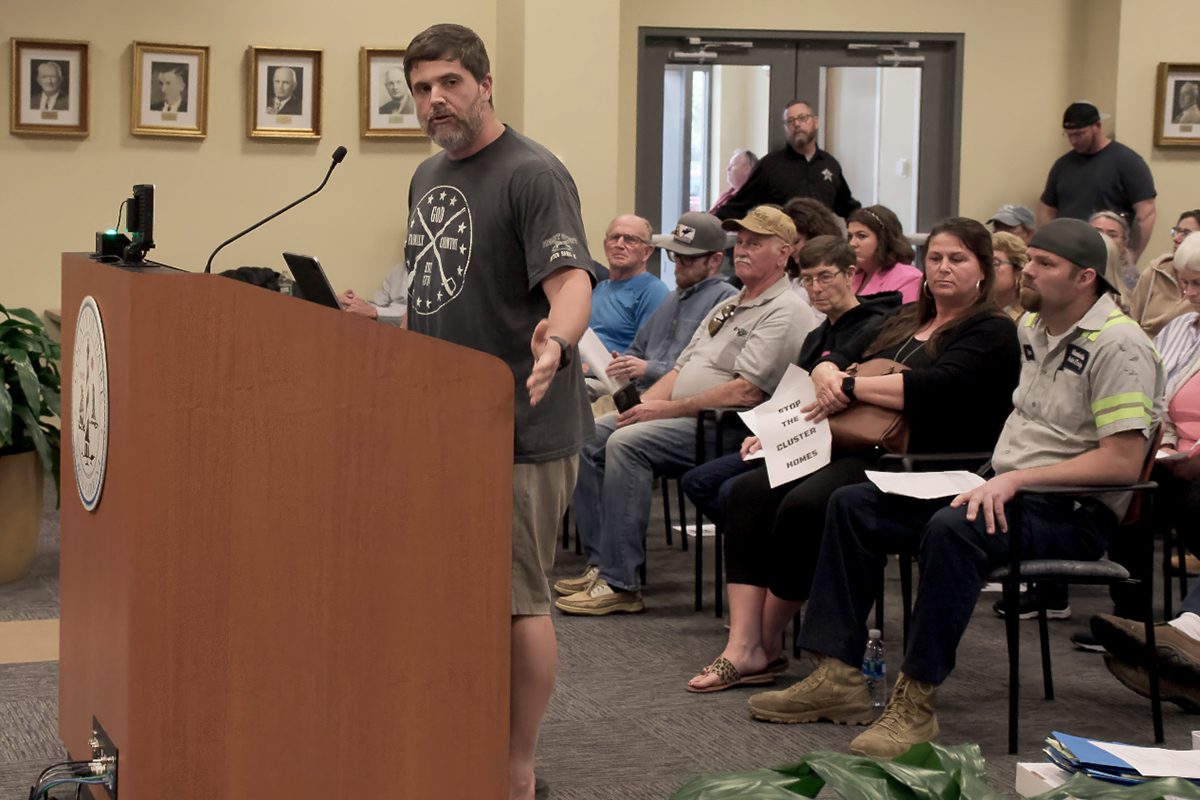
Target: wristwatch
<point>566,351</point>
<point>848,387</point>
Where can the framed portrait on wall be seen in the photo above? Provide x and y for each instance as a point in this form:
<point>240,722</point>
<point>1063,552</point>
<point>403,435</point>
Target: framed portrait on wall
<point>386,106</point>
<point>1177,110</point>
<point>49,93</point>
<point>170,90</point>
<point>284,95</point>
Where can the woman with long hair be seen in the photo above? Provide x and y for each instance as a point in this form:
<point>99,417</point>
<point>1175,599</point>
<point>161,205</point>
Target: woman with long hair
<point>963,362</point>
<point>883,255</point>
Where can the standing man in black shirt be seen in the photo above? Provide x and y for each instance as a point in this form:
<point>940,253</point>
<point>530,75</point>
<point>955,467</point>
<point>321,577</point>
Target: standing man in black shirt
<point>1099,174</point>
<point>801,169</point>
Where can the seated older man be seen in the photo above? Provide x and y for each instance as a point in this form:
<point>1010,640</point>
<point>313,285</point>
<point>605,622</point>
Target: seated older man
<point>697,248</point>
<point>736,358</point>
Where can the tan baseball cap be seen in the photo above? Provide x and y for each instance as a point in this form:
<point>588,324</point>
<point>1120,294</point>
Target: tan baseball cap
<point>767,220</point>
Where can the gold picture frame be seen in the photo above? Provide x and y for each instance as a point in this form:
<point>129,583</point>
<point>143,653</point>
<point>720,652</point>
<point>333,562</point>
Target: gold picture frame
<point>283,97</point>
<point>169,90</point>
<point>49,88</point>
<point>1177,105</point>
<point>387,109</point>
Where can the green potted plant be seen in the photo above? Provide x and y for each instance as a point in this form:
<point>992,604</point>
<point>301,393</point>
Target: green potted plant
<point>29,435</point>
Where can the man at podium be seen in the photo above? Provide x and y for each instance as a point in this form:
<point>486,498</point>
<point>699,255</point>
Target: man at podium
<point>499,263</point>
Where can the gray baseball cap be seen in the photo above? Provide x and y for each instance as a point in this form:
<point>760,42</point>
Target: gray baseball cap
<point>1077,242</point>
<point>695,233</point>
<point>1013,215</point>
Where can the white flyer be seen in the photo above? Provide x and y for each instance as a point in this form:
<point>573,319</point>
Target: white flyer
<point>793,447</point>
<point>925,485</point>
<point>596,356</point>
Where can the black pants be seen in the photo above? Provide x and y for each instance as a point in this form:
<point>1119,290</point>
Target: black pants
<point>772,536</point>
<point>864,526</point>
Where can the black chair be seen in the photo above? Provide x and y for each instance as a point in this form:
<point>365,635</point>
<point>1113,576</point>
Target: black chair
<point>1063,571</point>
<point>723,420</point>
<point>979,462</point>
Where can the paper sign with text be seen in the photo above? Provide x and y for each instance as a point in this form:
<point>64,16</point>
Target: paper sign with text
<point>794,448</point>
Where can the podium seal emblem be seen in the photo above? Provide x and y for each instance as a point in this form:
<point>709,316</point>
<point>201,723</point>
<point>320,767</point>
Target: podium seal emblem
<point>89,404</point>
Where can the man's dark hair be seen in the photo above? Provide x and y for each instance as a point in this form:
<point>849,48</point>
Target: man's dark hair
<point>791,103</point>
<point>833,251</point>
<point>448,42</point>
<point>180,70</point>
<point>812,218</point>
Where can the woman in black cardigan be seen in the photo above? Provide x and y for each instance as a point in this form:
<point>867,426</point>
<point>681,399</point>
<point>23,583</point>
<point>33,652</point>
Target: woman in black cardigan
<point>963,362</point>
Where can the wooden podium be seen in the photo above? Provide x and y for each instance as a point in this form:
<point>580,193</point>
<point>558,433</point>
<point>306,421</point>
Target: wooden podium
<point>296,582</point>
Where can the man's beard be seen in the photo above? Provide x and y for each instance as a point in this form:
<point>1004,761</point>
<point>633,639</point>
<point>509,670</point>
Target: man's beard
<point>801,140</point>
<point>462,132</point>
<point>1030,299</point>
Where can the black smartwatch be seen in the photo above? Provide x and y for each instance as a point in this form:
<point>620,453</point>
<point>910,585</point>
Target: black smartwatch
<point>848,387</point>
<point>566,351</point>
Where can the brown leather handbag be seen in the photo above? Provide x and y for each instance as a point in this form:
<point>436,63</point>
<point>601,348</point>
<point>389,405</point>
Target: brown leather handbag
<point>865,426</point>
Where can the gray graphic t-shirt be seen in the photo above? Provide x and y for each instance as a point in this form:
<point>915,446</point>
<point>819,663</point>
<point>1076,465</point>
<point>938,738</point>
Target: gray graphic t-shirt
<point>483,232</point>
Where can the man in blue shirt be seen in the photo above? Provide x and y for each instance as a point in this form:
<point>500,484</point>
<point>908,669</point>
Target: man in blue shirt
<point>697,248</point>
<point>631,294</point>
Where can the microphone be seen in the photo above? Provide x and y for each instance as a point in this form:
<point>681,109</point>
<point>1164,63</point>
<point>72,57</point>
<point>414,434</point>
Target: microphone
<point>338,155</point>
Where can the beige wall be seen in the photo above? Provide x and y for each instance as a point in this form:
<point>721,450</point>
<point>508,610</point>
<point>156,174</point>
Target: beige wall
<point>565,75</point>
<point>1151,32</point>
<point>56,194</point>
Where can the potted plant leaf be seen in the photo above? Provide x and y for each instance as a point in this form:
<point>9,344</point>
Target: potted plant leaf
<point>29,435</point>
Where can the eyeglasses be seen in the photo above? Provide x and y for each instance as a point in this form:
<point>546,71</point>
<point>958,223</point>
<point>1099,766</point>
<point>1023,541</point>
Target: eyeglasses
<point>799,119</point>
<point>821,278</point>
<point>1178,233</point>
<point>680,258</point>
<point>625,239</point>
<point>716,323</point>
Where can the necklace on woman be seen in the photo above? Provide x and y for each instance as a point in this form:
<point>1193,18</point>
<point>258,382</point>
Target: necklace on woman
<point>900,355</point>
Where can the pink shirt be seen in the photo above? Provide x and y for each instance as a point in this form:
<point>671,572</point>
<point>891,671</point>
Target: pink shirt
<point>902,278</point>
<point>1184,410</point>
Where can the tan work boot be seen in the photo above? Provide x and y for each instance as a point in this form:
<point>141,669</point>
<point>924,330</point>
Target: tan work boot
<point>908,719</point>
<point>580,583</point>
<point>834,691</point>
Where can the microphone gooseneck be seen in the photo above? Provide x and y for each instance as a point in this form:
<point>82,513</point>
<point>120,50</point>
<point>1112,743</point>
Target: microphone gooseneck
<point>338,155</point>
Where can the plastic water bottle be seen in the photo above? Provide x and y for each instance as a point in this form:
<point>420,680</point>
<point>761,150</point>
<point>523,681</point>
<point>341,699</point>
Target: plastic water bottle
<point>874,669</point>
<point>286,284</point>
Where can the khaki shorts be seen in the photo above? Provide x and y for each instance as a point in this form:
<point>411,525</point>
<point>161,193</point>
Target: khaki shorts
<point>541,493</point>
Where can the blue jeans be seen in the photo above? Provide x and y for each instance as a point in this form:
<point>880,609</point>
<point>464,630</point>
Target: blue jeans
<point>616,486</point>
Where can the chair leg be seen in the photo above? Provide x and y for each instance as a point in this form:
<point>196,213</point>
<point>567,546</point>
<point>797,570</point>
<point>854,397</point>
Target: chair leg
<point>906,593</point>
<point>682,497</point>
<point>1011,628</point>
<point>566,539</point>
<point>1181,552</point>
<point>1044,635</point>
<point>1166,574</point>
<point>699,566</point>
<point>796,621</point>
<point>718,568</point>
<point>879,601</point>
<point>1152,668</point>
<point>666,495</point>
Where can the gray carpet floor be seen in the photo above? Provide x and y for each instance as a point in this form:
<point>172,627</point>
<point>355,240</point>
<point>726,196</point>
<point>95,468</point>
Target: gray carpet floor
<point>621,724</point>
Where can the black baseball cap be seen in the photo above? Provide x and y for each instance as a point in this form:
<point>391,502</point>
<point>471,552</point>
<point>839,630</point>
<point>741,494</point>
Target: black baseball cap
<point>1077,242</point>
<point>1080,115</point>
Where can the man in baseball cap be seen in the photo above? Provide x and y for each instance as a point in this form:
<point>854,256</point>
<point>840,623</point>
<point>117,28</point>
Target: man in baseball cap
<point>735,358</point>
<point>1098,174</point>
<point>1014,219</point>
<point>696,247</point>
<point>1077,245</point>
